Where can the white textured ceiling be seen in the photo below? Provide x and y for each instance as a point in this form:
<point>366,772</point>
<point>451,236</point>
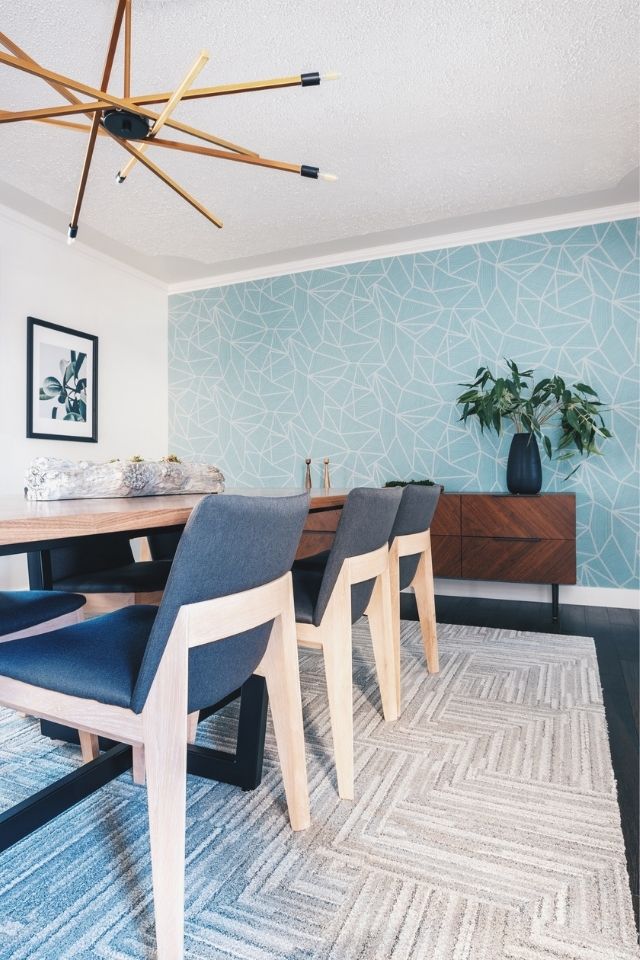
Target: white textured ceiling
<point>447,112</point>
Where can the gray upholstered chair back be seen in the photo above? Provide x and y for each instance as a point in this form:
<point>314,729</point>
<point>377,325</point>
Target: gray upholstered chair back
<point>230,544</point>
<point>365,525</point>
<point>414,515</point>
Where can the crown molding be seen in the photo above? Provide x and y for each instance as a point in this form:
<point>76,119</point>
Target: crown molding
<point>504,231</point>
<point>7,214</point>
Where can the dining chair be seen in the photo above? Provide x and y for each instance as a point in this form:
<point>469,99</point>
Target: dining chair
<point>102,568</point>
<point>353,580</point>
<point>24,613</point>
<point>410,565</point>
<point>133,675</point>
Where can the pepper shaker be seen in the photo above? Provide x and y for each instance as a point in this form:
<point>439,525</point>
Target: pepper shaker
<point>326,480</point>
<point>307,476</point>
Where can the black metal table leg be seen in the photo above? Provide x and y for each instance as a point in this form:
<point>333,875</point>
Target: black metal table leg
<point>555,602</point>
<point>45,805</point>
<point>242,768</point>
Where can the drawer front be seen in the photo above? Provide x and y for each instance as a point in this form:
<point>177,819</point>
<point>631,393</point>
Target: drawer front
<point>548,517</point>
<point>446,522</point>
<point>519,561</point>
<point>312,543</point>
<point>323,520</point>
<point>445,554</point>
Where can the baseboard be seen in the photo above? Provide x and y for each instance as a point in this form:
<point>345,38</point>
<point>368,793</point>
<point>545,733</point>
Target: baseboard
<point>584,596</point>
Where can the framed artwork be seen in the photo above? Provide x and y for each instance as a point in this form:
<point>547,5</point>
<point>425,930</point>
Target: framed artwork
<point>62,383</point>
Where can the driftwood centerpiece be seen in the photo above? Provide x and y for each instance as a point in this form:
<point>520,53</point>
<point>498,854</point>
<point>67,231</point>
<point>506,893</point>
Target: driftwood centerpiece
<point>49,478</point>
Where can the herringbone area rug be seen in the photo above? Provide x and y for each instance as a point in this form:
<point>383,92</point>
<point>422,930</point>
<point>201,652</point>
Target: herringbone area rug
<point>485,827</point>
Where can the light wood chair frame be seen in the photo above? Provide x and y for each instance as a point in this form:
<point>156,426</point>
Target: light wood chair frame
<point>333,637</point>
<point>46,626</point>
<point>100,603</point>
<point>159,732</point>
<point>422,583</point>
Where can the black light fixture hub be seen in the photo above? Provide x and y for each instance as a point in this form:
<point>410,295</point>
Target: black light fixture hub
<point>126,124</point>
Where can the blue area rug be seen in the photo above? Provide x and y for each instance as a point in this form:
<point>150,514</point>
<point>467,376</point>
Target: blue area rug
<point>485,827</point>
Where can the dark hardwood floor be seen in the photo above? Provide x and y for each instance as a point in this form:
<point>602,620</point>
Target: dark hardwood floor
<point>615,632</point>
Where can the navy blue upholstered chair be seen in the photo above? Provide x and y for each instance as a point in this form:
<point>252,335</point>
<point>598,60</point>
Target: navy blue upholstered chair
<point>24,613</point>
<point>410,565</point>
<point>103,569</point>
<point>133,675</point>
<point>352,580</point>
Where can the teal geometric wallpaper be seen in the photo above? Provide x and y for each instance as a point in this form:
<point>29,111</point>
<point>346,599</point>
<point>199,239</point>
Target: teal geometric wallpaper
<point>361,363</point>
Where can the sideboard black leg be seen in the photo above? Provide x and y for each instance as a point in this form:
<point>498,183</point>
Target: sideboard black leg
<point>555,602</point>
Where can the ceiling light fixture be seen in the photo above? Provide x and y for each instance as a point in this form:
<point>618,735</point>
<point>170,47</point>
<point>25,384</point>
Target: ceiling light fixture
<point>129,121</point>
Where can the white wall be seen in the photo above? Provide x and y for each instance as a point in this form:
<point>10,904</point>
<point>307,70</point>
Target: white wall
<point>40,276</point>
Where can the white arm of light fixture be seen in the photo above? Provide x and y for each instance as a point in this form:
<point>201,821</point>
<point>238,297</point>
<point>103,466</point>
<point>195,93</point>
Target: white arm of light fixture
<point>172,103</point>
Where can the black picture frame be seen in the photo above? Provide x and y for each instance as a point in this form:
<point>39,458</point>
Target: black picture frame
<point>80,416</point>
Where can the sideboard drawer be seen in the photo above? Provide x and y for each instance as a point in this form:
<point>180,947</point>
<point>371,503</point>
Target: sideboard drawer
<point>519,561</point>
<point>312,542</point>
<point>446,521</point>
<point>323,520</point>
<point>446,556</point>
<point>548,517</point>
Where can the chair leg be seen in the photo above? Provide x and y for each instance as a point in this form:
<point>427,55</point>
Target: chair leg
<point>425,600</point>
<point>337,653</point>
<point>165,753</point>
<point>138,771</point>
<point>88,746</point>
<point>381,627</point>
<point>192,726</point>
<point>279,667</point>
<point>394,593</point>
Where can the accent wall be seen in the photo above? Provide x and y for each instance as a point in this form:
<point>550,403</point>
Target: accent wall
<point>362,363</point>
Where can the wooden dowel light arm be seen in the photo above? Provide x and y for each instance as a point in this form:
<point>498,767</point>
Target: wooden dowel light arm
<point>126,91</point>
<point>239,158</point>
<point>227,89</point>
<point>93,134</point>
<point>170,182</point>
<point>165,113</point>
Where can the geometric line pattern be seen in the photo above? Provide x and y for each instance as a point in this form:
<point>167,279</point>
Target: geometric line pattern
<point>485,827</point>
<point>361,363</point>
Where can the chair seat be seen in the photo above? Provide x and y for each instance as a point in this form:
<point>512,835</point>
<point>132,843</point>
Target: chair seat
<point>306,587</point>
<point>146,576</point>
<point>96,659</point>
<point>22,609</point>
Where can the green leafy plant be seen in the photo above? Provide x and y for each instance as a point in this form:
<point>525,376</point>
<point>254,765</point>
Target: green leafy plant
<point>537,407</point>
<point>70,390</point>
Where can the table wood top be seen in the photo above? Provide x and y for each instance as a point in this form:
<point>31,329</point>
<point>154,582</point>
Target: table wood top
<point>30,521</point>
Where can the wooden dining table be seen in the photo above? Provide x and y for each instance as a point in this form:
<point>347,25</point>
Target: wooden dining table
<point>38,526</point>
<point>32,525</point>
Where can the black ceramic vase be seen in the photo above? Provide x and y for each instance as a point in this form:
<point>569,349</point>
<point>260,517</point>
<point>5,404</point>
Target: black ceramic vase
<point>524,470</point>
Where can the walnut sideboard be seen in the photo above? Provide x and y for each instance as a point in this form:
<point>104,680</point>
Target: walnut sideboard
<point>506,537</point>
